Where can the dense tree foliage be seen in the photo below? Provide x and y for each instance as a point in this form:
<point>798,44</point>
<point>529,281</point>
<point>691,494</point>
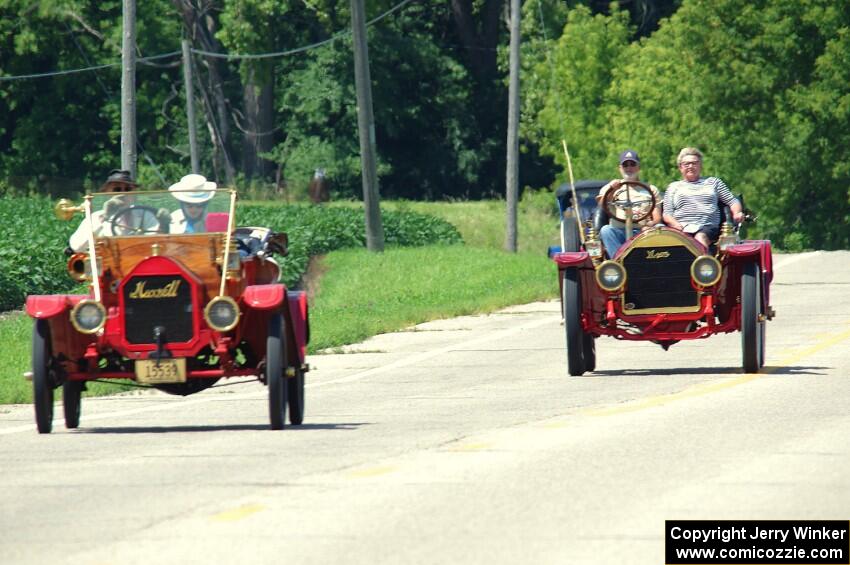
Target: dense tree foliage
<point>759,85</point>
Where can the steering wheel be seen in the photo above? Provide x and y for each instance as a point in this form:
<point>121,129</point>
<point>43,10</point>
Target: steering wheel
<point>133,219</point>
<point>632,194</point>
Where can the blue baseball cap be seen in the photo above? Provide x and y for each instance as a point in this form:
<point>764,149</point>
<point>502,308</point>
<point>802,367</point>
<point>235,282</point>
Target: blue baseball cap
<point>629,155</point>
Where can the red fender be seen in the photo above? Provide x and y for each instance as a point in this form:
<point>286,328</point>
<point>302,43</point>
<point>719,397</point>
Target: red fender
<point>300,320</point>
<point>48,305</point>
<point>264,296</point>
<point>571,258</point>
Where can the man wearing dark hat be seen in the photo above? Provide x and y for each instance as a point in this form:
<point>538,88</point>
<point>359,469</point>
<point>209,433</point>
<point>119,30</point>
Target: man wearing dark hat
<point>118,181</point>
<point>614,234</point>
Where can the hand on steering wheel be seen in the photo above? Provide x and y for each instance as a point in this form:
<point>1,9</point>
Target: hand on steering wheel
<point>631,194</point>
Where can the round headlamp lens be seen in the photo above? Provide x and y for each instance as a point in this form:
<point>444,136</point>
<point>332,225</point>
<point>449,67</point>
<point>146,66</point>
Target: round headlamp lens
<point>88,316</point>
<point>222,313</point>
<point>706,270</point>
<point>611,276</point>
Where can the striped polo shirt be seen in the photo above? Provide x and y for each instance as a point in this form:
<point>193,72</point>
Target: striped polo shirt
<point>696,204</point>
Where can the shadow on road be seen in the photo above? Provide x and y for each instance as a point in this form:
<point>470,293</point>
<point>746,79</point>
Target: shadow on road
<point>672,371</point>
<point>766,370</point>
<point>208,428</point>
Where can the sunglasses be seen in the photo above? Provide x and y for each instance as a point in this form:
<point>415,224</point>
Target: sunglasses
<point>629,164</point>
<point>689,164</point>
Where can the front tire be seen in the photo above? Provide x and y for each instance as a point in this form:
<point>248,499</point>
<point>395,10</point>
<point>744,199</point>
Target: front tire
<point>589,352</point>
<point>752,336</point>
<point>71,405</point>
<point>572,239</point>
<point>572,322</point>
<point>275,366</point>
<point>42,383</point>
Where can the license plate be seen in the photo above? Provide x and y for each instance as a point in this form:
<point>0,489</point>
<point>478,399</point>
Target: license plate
<point>166,371</point>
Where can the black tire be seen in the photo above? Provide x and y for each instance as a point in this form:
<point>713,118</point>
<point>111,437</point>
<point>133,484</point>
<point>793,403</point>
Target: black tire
<point>572,239</point>
<point>572,322</point>
<point>275,366</point>
<point>296,398</point>
<point>42,382</point>
<point>71,393</point>
<point>589,352</point>
<point>750,306</point>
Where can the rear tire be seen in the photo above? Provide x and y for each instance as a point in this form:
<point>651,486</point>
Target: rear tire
<point>572,322</point>
<point>71,405</point>
<point>296,398</point>
<point>275,366</point>
<point>42,383</point>
<point>751,335</point>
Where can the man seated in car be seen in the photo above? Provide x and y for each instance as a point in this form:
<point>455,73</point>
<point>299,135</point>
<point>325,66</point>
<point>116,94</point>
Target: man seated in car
<point>194,193</point>
<point>614,234</point>
<point>119,181</point>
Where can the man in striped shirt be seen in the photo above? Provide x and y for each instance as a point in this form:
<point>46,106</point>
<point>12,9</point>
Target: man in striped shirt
<point>693,203</point>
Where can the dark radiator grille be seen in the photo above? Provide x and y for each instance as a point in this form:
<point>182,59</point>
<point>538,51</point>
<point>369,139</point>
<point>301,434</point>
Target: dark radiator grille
<point>659,277</point>
<point>157,301</point>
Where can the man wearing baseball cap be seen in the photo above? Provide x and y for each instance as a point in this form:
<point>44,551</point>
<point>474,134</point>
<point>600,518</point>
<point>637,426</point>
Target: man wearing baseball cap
<point>613,235</point>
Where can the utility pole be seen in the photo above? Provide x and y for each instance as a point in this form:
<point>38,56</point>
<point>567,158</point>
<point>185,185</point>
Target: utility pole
<point>128,88</point>
<point>190,106</point>
<point>512,173</point>
<point>366,127</point>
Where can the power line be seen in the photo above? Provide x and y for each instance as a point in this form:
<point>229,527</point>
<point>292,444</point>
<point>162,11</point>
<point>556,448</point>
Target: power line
<point>336,36</point>
<point>86,69</point>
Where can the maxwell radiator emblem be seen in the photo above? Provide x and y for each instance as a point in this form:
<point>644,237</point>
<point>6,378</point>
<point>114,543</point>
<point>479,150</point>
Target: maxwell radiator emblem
<point>654,254</point>
<point>168,291</point>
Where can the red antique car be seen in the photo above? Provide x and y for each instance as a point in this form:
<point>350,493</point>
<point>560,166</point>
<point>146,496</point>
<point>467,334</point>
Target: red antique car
<point>173,304</point>
<point>662,285</point>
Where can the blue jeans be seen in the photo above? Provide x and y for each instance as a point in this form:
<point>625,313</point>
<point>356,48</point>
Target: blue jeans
<point>612,238</point>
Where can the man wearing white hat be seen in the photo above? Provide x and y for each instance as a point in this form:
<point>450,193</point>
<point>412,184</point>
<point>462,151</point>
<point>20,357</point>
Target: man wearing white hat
<point>193,192</point>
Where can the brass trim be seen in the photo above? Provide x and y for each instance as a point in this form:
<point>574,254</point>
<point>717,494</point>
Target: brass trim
<point>155,250</point>
<point>216,300</point>
<point>620,286</point>
<point>664,310</point>
<point>78,274</point>
<point>65,209</point>
<point>661,237</point>
<point>77,307</point>
<point>716,279</point>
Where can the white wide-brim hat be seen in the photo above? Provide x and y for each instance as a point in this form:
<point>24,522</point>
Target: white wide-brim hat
<point>193,189</point>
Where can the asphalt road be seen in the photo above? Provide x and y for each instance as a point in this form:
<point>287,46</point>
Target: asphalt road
<point>462,441</point>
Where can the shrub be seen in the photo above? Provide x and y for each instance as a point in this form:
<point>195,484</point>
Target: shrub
<point>32,262</point>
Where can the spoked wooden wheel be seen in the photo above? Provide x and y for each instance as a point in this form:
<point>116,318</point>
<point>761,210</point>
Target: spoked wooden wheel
<point>42,381</point>
<point>275,366</point>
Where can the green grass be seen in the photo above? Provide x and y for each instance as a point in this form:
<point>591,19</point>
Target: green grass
<point>482,223</point>
<point>360,294</point>
<point>16,337</point>
<point>363,294</point>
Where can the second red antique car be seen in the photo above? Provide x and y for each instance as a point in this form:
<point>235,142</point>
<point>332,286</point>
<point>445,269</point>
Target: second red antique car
<point>171,306</point>
<point>661,286</point>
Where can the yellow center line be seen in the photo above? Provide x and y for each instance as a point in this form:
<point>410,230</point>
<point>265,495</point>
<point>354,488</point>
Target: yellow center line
<point>708,388</point>
<point>239,513</point>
